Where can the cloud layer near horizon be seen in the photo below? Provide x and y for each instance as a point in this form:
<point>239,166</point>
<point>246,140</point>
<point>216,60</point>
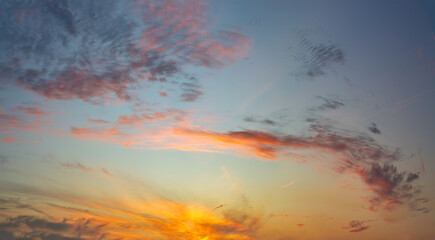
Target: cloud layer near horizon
<point>127,210</point>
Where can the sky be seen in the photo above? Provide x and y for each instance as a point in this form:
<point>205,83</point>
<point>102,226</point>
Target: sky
<point>192,119</point>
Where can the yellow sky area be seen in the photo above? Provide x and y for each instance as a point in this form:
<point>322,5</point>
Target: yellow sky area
<point>129,219</point>
<point>122,208</point>
<point>316,205</point>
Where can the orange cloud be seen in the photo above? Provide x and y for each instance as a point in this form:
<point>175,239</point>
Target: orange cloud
<point>288,184</point>
<point>344,152</point>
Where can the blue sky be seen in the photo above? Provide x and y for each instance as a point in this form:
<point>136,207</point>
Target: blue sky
<point>217,119</point>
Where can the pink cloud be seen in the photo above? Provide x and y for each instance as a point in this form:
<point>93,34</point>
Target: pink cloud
<point>9,139</point>
<point>98,121</point>
<point>288,184</point>
<point>29,110</point>
<point>340,151</point>
<point>112,53</point>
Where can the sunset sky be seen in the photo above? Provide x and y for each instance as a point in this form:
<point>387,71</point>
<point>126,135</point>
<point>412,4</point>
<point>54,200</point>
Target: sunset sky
<point>215,120</point>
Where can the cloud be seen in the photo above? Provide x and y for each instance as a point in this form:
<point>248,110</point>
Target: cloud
<point>341,151</point>
<point>98,121</point>
<point>81,167</point>
<point>163,93</point>
<point>347,152</point>
<point>29,110</point>
<point>267,145</point>
<point>402,104</point>
<point>329,104</point>
<point>100,51</point>
<point>3,160</point>
<point>282,215</point>
<point>218,207</point>
<point>191,91</point>
<point>374,129</point>
<point>8,138</point>
<point>389,185</point>
<point>32,227</point>
<point>147,116</point>
<point>316,57</point>
<point>288,184</point>
<point>79,214</point>
<point>144,128</point>
<point>11,121</point>
<point>19,119</point>
<point>356,226</point>
<point>421,160</point>
<point>265,121</point>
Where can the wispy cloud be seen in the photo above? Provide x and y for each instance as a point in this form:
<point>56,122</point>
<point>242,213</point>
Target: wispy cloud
<point>29,110</point>
<point>288,184</point>
<point>22,119</point>
<point>83,168</point>
<point>3,160</point>
<point>265,121</point>
<point>329,104</point>
<point>191,91</point>
<point>316,58</point>
<point>421,160</point>
<point>9,138</point>
<point>98,121</point>
<point>401,104</point>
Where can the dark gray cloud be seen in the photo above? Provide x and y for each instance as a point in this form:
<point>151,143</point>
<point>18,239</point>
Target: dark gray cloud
<point>99,50</point>
<point>374,129</point>
<point>26,227</point>
<point>391,186</point>
<point>264,121</point>
<point>356,226</point>
<point>316,58</point>
<point>329,104</point>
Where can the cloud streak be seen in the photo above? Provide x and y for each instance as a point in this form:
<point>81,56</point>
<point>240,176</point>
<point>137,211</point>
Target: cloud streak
<point>329,104</point>
<point>288,184</point>
<point>316,58</point>
<point>81,167</point>
<point>342,151</point>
